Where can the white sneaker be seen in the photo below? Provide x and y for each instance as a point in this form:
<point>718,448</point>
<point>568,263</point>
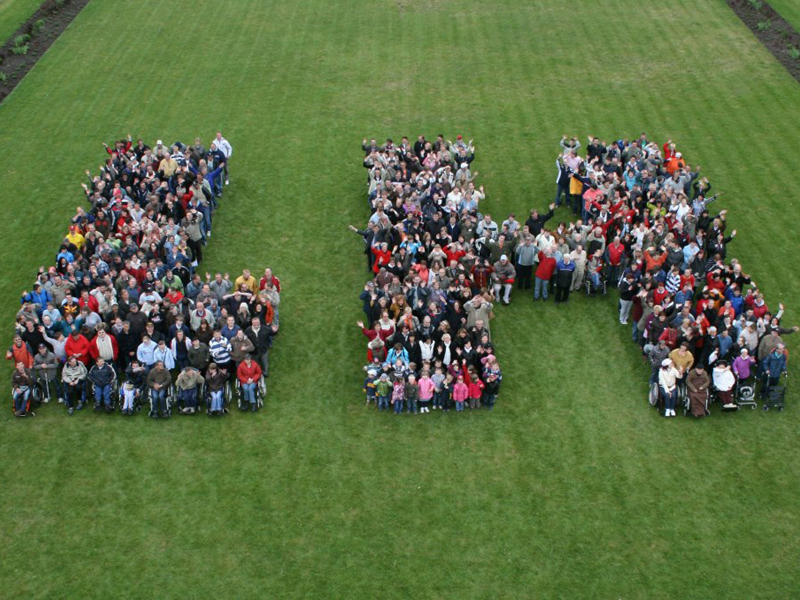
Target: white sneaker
<point>61,401</point>
<point>227,182</point>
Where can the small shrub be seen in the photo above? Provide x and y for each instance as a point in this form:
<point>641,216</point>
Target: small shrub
<point>756,4</point>
<point>20,50</point>
<point>37,27</point>
<point>794,52</point>
<point>22,39</point>
<point>3,77</point>
<point>763,25</point>
<point>59,4</point>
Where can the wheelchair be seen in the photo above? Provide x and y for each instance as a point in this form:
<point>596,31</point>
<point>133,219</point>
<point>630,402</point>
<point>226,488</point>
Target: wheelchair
<point>590,288</point>
<point>169,400</point>
<point>30,404</point>
<point>261,391</point>
<point>200,398</point>
<point>138,398</point>
<point>227,397</point>
<point>114,396</point>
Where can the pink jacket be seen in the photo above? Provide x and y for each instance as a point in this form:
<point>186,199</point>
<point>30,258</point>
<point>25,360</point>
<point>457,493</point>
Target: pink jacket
<point>460,392</point>
<point>426,388</point>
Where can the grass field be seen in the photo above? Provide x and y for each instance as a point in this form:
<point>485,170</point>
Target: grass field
<point>14,13</point>
<point>789,10</point>
<point>571,487</point>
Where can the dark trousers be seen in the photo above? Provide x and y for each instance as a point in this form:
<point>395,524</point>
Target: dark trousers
<point>524,275</point>
<point>562,293</point>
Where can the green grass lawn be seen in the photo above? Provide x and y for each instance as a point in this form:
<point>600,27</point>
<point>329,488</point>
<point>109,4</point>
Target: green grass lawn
<point>572,487</point>
<point>789,10</point>
<point>14,13</point>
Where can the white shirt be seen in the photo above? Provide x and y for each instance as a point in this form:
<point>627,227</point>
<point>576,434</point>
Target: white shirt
<point>224,146</point>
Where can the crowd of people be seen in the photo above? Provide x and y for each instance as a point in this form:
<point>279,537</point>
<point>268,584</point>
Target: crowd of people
<point>434,278</point>
<point>643,224</point>
<point>125,317</point>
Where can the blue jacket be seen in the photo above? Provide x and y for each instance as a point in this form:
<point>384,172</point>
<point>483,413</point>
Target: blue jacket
<point>775,364</point>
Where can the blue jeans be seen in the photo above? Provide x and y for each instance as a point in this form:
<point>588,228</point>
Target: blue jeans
<point>670,398</point>
<point>158,399</point>
<point>102,394</point>
<point>459,405</point>
<point>594,277</point>
<point>412,405</point>
<point>540,286</point>
<point>383,402</point>
<point>21,396</point>
<point>561,191</point>
<point>189,397</point>
<point>216,400</point>
<point>489,400</point>
<point>398,406</point>
<point>249,391</point>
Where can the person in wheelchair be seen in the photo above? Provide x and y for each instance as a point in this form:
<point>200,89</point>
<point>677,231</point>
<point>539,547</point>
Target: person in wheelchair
<point>132,389</point>
<point>158,382</point>
<point>249,374</point>
<point>698,383</point>
<point>22,388</point>
<point>102,377</point>
<point>189,384</point>
<point>45,368</point>
<point>73,376</point>
<point>668,386</point>
<point>215,384</point>
<point>724,382</point>
<point>594,270</point>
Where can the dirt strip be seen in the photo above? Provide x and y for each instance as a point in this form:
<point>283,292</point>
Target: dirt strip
<point>21,52</point>
<point>772,30</point>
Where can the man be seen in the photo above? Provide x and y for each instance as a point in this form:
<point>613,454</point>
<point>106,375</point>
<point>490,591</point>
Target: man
<point>45,368</point>
<point>536,221</point>
<point>20,353</point>
<point>102,377</point>
<point>564,269</point>
<point>241,347</point>
<point>145,353</point>
<point>227,150</point>
<point>199,355</point>
<point>73,376</point>
<point>503,276</point>
<point>478,309</point>
<point>526,257</point>
<point>545,270</point>
<point>249,374</point>
<point>78,346</point>
<point>261,337</point>
<point>220,349</point>
<point>158,381</point>
<point>774,366</point>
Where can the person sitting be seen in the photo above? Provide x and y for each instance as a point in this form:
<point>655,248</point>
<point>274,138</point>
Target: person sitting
<point>215,380</point>
<point>249,374</point>
<point>73,376</point>
<point>724,382</point>
<point>102,377</point>
<point>668,385</point>
<point>158,381</point>
<point>22,387</point>
<point>188,385</point>
<point>698,383</point>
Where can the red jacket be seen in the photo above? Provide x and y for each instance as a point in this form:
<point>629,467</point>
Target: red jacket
<point>275,282</point>
<point>94,352</point>
<point>244,373</point>
<point>615,254</point>
<point>382,258</point>
<point>547,266</point>
<point>21,354</point>
<point>78,346</point>
<point>91,303</point>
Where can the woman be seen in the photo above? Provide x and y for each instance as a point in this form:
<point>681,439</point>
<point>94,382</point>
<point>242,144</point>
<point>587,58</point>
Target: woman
<point>698,382</point>
<point>215,380</point>
<point>180,349</point>
<point>668,385</point>
<point>724,381</point>
<point>204,333</point>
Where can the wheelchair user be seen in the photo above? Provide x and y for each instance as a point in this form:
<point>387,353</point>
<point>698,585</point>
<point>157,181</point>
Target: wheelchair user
<point>73,376</point>
<point>215,380</point>
<point>102,377</point>
<point>188,384</point>
<point>22,386</point>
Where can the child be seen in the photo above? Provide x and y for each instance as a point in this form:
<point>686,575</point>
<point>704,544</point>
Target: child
<point>129,393</point>
<point>398,394</point>
<point>460,393</point>
<point>412,394</point>
<point>438,380</point>
<point>384,389</point>
<point>426,388</point>
<point>369,384</point>
<point>447,393</point>
<point>491,390</point>
<point>475,392</point>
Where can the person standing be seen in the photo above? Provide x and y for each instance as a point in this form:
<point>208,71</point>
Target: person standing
<point>565,268</point>
<point>545,270</point>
